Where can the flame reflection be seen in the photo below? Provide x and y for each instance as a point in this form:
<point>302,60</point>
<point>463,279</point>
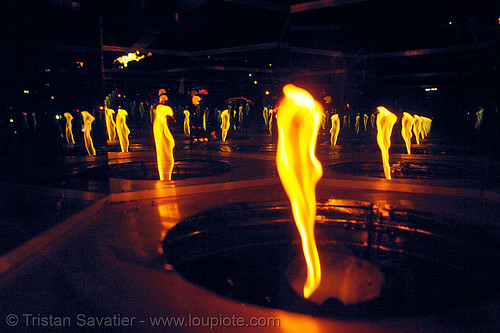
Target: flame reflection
<point>357,123</point>
<point>416,128</point>
<point>69,128</point>
<point>406,126</point>
<point>479,118</point>
<point>122,129</point>
<point>164,142</point>
<point>385,123</point>
<point>110,123</point>
<point>334,131</point>
<point>298,122</point>
<point>426,126</point>
<point>87,128</point>
<point>187,129</point>
<point>226,123</point>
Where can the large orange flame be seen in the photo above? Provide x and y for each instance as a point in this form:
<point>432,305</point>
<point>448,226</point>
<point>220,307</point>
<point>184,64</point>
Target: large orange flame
<point>334,131</point>
<point>122,129</point>
<point>385,123</point>
<point>110,123</point>
<point>69,128</point>
<point>298,122</point>
<point>226,123</point>
<point>406,126</point>
<point>164,142</point>
<point>87,123</point>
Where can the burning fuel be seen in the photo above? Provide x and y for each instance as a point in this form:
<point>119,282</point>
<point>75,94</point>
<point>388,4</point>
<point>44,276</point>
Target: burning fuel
<point>69,128</point>
<point>122,129</point>
<point>385,123</point>
<point>298,120</point>
<point>87,128</point>
<point>406,127</point>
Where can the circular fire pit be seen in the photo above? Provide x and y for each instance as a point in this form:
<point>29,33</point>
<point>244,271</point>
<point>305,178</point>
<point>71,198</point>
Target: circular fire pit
<point>402,170</point>
<point>429,265</point>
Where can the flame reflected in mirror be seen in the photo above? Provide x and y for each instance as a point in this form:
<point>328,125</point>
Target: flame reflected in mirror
<point>426,126</point>
<point>69,128</point>
<point>110,123</point>
<point>226,123</point>
<point>416,128</point>
<point>406,127</point>
<point>187,129</point>
<point>87,128</point>
<point>385,123</point>
<point>122,129</point>
<point>334,131</point>
<point>164,142</point>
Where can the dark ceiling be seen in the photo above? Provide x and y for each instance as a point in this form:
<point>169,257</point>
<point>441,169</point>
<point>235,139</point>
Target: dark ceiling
<point>349,48</point>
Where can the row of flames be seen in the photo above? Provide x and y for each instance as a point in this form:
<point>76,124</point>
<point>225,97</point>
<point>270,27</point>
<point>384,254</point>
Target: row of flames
<point>298,119</point>
<point>113,128</point>
<point>88,119</point>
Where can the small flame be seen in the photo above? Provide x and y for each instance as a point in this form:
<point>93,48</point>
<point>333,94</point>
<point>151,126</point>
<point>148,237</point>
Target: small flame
<point>426,125</point>
<point>69,128</point>
<point>87,123</point>
<point>132,56</point>
<point>164,142</point>
<point>357,123</point>
<point>298,120</point>
<point>270,120</point>
<point>265,114</point>
<point>110,123</point>
<point>187,128</point>
<point>122,129</point>
<point>226,123</point>
<point>416,127</point>
<point>406,126</point>
<point>365,121</point>
<point>205,120</point>
<point>334,131</point>
<point>385,123</point>
<point>196,100</point>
